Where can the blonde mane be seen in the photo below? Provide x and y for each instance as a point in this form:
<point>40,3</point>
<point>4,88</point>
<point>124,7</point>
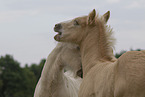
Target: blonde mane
<point>106,38</point>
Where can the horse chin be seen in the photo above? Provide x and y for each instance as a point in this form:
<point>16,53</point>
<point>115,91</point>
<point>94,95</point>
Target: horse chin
<point>57,37</point>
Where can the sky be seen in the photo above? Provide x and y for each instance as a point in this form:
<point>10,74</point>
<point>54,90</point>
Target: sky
<point>26,26</point>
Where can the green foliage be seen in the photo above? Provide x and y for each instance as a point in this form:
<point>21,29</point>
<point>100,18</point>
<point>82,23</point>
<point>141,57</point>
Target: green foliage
<point>36,69</point>
<point>10,76</point>
<point>16,81</point>
<point>117,55</point>
<point>29,82</point>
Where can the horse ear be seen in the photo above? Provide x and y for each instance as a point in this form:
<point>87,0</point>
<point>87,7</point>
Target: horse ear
<point>106,16</point>
<point>91,17</point>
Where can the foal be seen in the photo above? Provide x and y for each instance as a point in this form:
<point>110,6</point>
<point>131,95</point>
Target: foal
<point>103,75</point>
<point>53,81</point>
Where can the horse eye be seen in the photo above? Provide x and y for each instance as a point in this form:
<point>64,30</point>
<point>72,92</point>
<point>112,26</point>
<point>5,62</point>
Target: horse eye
<point>76,22</point>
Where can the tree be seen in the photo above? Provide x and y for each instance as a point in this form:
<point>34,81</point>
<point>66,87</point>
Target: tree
<point>14,80</point>
<point>36,69</point>
<point>10,76</point>
<point>117,55</point>
<point>29,82</point>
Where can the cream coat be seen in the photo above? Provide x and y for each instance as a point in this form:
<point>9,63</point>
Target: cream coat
<point>53,81</point>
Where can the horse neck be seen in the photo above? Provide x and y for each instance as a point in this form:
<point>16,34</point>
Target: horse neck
<point>52,71</point>
<point>53,76</point>
<point>95,48</point>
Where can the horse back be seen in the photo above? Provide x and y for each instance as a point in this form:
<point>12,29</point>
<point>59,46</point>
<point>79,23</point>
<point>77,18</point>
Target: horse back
<point>130,75</point>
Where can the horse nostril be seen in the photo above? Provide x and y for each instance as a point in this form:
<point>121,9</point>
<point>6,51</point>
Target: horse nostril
<point>58,26</point>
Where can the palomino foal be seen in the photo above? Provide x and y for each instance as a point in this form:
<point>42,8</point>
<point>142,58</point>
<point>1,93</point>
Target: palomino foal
<point>53,81</point>
<point>103,75</point>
